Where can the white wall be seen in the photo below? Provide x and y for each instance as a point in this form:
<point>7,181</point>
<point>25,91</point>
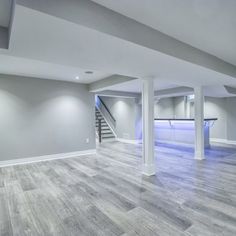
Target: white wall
<point>42,117</point>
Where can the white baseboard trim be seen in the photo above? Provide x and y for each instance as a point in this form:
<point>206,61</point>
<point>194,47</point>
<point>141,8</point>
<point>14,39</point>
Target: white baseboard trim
<point>225,141</point>
<point>131,141</point>
<point>139,141</point>
<point>217,140</point>
<point>23,161</point>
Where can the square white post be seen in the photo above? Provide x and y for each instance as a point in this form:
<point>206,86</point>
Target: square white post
<point>199,122</point>
<point>148,127</point>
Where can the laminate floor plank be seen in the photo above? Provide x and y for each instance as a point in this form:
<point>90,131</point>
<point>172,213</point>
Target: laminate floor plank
<point>5,220</point>
<point>22,219</point>
<point>107,195</point>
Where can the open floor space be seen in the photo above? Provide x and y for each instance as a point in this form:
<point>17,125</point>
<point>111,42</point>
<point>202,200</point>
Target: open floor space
<point>117,118</point>
<point>106,194</point>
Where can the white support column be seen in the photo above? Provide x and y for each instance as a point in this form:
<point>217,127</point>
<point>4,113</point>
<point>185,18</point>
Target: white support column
<point>148,127</point>
<point>199,123</point>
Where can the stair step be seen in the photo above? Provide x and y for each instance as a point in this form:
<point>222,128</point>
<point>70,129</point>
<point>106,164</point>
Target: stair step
<point>103,124</point>
<point>104,128</point>
<point>102,121</point>
<point>107,137</point>
<point>107,132</point>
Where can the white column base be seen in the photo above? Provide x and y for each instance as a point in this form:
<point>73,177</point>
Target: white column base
<point>200,158</point>
<point>148,170</point>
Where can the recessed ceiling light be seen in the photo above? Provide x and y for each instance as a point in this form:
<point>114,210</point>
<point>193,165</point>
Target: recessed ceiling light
<point>77,77</point>
<point>89,72</point>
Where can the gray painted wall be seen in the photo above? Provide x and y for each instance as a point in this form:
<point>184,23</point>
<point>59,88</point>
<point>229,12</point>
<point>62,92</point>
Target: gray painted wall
<point>179,107</point>
<point>164,108</point>
<point>127,113</point>
<point>231,118</point>
<point>216,107</point>
<point>221,108</point>
<point>42,117</point>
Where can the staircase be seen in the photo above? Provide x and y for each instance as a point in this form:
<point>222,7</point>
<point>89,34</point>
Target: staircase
<point>107,133</point>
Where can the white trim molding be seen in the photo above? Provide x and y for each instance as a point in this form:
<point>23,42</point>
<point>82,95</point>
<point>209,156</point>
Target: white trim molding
<point>225,141</point>
<point>139,141</point>
<point>23,161</point>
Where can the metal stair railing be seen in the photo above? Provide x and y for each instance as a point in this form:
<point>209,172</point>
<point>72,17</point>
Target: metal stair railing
<point>105,112</point>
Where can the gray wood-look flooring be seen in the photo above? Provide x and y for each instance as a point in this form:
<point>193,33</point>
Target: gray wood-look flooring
<point>105,194</point>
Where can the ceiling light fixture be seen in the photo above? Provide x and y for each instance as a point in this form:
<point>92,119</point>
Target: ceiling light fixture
<point>77,77</point>
<point>89,72</point>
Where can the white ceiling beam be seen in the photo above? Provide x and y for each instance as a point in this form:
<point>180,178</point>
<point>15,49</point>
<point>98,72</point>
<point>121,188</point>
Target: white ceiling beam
<point>97,17</point>
<point>173,92</point>
<point>112,93</point>
<point>104,84</point>
<point>230,90</point>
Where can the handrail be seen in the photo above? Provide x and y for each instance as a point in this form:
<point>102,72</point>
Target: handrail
<point>107,109</point>
<point>100,130</point>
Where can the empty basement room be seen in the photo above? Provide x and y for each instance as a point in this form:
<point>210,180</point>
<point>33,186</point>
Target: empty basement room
<point>117,118</point>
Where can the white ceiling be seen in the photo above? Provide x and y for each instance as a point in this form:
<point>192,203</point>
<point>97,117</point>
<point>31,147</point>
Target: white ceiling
<point>48,47</point>
<point>5,12</point>
<point>209,25</point>
<point>53,40</point>
<point>39,69</point>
